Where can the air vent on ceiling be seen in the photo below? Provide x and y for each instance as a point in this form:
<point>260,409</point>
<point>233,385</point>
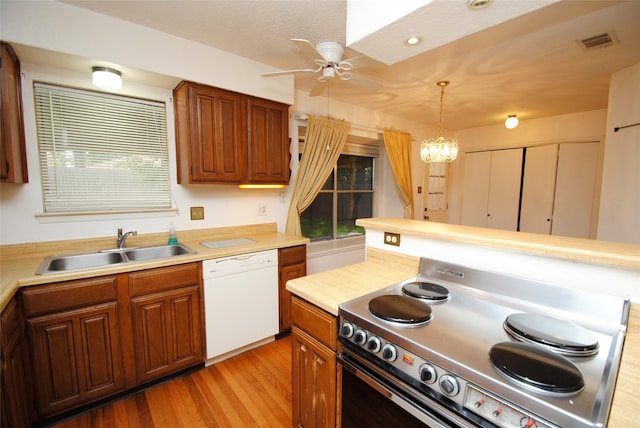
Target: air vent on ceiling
<point>599,41</point>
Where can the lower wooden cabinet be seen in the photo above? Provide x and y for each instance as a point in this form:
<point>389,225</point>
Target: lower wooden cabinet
<point>167,321</point>
<point>292,264</point>
<point>314,375</point>
<point>93,338</point>
<point>14,411</point>
<point>76,357</point>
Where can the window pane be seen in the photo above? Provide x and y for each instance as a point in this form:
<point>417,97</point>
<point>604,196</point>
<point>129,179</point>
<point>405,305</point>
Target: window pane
<point>352,206</point>
<point>355,173</point>
<point>316,221</point>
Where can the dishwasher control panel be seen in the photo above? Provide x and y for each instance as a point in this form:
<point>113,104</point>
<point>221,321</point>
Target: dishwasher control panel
<point>239,263</point>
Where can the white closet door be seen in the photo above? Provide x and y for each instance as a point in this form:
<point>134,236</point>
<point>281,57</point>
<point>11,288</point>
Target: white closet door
<point>504,189</point>
<point>538,189</point>
<point>575,188</point>
<point>475,188</point>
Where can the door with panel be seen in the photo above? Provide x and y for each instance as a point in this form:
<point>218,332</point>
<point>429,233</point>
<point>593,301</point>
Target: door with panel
<point>538,189</point>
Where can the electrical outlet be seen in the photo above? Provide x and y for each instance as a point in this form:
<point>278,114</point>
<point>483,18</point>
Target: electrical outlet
<point>392,239</point>
<point>197,213</point>
<point>262,210</point>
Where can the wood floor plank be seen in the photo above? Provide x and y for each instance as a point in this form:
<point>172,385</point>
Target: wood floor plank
<point>252,389</point>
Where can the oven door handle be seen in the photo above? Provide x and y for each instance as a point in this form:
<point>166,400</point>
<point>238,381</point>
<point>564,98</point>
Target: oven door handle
<point>395,396</point>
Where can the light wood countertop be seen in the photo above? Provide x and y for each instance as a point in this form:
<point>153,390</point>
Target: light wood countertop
<point>19,263</point>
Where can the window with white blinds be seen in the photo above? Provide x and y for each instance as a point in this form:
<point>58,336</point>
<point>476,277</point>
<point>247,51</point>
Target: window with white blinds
<point>101,152</point>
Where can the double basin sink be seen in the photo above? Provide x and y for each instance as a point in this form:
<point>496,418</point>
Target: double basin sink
<point>57,264</point>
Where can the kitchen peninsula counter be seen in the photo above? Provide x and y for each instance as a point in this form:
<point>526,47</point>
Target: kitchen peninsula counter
<point>19,262</point>
<point>386,265</point>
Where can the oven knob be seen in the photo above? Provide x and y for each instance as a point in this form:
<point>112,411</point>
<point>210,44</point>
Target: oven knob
<point>428,373</point>
<point>389,352</point>
<point>347,329</point>
<point>374,344</point>
<point>449,385</point>
<point>360,337</point>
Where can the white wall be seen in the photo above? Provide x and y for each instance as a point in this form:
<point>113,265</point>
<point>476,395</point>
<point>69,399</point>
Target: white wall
<point>78,33</point>
<point>578,127</point>
<point>619,218</point>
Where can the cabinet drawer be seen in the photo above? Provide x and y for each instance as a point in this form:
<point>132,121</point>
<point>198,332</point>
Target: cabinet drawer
<point>318,323</point>
<point>159,279</point>
<point>292,255</point>
<point>42,299</point>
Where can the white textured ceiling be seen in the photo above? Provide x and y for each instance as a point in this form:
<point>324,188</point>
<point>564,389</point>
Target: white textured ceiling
<point>531,65</point>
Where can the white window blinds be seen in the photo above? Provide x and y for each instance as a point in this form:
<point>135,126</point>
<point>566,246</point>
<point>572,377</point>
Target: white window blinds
<point>101,152</point>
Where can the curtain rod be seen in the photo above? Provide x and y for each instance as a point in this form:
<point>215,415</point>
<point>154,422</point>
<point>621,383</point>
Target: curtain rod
<point>304,118</point>
<point>626,126</point>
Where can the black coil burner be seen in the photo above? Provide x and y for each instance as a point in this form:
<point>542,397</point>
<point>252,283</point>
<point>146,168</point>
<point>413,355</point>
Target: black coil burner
<point>400,309</point>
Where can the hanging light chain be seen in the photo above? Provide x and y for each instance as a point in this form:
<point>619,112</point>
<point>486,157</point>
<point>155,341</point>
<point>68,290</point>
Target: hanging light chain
<point>442,84</point>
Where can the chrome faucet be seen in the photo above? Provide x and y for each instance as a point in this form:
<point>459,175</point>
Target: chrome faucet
<point>122,238</point>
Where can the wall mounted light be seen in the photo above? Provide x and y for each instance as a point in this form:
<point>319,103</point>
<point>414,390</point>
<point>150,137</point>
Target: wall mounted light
<point>106,78</point>
<point>511,122</point>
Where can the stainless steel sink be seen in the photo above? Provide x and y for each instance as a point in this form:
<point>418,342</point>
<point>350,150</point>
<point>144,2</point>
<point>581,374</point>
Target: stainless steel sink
<point>56,264</point>
<point>79,261</point>
<point>160,252</point>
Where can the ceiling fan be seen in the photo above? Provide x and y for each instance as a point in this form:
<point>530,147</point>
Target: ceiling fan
<point>328,58</point>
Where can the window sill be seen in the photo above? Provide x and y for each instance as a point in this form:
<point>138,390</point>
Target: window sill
<point>69,217</point>
<point>335,246</point>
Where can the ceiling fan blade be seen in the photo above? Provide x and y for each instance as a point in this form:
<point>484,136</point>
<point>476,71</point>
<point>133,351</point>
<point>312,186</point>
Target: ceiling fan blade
<point>307,48</point>
<point>281,73</point>
<point>360,62</point>
<point>364,83</point>
<point>318,88</point>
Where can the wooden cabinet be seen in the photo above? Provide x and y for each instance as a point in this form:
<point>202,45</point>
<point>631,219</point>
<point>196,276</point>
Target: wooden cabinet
<point>491,189</point>
<point>75,342</point>
<point>292,263</point>
<point>268,142</point>
<point>313,339</point>
<point>229,138</point>
<point>167,320</point>
<point>90,339</point>
<point>210,134</point>
<point>13,156</point>
<point>14,411</point>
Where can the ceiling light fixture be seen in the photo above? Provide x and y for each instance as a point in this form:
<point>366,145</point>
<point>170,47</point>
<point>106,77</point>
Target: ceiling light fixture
<point>478,4</point>
<point>106,78</point>
<point>512,121</point>
<point>413,40</point>
<point>439,149</point>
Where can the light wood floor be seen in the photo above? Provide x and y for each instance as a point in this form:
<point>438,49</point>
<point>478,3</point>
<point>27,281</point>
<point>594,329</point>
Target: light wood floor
<point>252,389</point>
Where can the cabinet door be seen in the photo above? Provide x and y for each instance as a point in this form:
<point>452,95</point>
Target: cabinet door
<point>14,411</point>
<point>284,296</point>
<point>13,157</point>
<point>538,189</point>
<point>76,357</point>
<point>314,382</point>
<point>268,156</point>
<point>210,134</point>
<point>166,328</point>
<point>575,190</point>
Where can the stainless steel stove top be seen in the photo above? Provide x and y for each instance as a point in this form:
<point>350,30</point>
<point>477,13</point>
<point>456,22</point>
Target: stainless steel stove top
<point>454,345</point>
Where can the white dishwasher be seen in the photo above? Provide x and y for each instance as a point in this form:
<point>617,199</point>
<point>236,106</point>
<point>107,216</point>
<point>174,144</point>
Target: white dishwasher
<point>240,302</point>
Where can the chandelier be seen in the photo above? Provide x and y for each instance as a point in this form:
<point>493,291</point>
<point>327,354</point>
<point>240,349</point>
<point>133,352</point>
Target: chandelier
<point>439,149</point>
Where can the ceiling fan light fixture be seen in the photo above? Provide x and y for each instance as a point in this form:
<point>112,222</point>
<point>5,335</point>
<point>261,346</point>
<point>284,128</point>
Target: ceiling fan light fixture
<point>106,78</point>
<point>439,149</point>
<point>512,121</point>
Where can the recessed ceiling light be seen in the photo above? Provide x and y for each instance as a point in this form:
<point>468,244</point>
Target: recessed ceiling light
<point>478,4</point>
<point>413,40</point>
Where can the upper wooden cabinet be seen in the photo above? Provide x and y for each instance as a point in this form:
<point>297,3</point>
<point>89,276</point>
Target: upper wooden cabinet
<point>13,157</point>
<point>210,134</point>
<point>268,136</point>
<point>227,137</point>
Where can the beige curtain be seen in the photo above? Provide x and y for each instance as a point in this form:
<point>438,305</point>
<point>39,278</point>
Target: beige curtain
<point>398,145</point>
<point>325,138</point>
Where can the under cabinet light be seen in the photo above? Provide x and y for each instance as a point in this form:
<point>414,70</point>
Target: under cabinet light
<point>261,186</point>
